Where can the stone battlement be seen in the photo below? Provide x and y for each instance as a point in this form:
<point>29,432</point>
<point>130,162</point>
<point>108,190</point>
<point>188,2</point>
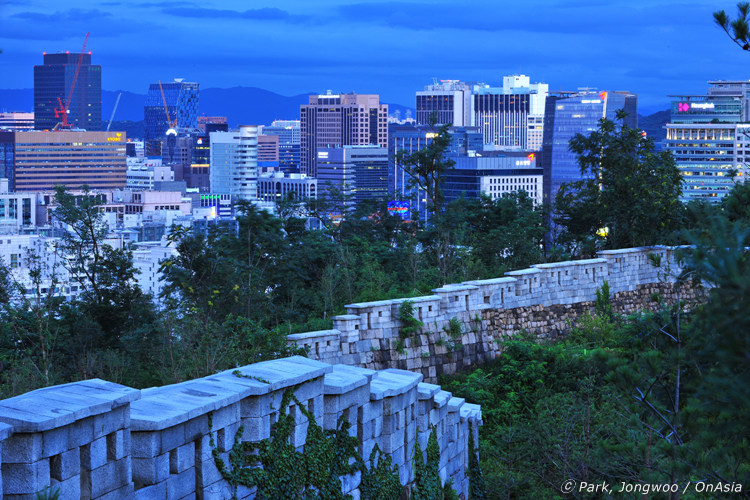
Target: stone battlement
<point>544,300</point>
<point>99,440</point>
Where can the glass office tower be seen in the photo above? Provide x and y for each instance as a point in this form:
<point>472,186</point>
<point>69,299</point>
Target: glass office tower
<point>54,79</point>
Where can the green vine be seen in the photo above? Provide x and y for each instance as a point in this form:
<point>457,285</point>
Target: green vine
<point>427,484</point>
<point>410,325</point>
<point>278,470</point>
<point>238,373</point>
<point>455,331</point>
<point>477,489</point>
<point>380,481</point>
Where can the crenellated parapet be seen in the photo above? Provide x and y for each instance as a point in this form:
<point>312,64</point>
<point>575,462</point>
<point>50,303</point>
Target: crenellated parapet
<point>544,300</point>
<point>99,440</point>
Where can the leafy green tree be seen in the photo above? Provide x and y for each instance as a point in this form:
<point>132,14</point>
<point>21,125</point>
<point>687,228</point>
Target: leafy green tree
<point>426,170</point>
<point>737,29</point>
<point>630,193</point>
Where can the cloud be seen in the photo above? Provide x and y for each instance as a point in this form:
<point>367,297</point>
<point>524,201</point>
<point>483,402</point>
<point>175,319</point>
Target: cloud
<point>262,14</point>
<point>73,23</point>
<point>579,18</point>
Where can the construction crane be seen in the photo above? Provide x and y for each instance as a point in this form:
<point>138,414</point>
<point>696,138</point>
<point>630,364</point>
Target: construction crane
<point>171,125</point>
<point>62,111</point>
<point>112,116</point>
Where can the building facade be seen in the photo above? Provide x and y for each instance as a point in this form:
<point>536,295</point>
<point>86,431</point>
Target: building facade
<point>54,79</point>
<point>708,136</point>
<point>334,120</point>
<point>449,101</point>
<point>289,143</point>
<point>511,116</point>
<point>16,120</point>
<point>38,161</point>
<point>494,174</point>
<point>275,186</point>
<point>359,172</point>
<point>182,105</point>
<point>571,113</point>
<point>234,162</point>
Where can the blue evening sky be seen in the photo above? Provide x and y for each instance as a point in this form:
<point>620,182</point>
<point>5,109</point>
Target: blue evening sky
<point>651,47</point>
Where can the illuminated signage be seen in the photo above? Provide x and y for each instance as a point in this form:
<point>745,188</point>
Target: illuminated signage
<point>400,208</point>
<point>591,101</point>
<point>684,107</point>
<point>322,154</point>
<point>531,157</point>
<point>116,138</point>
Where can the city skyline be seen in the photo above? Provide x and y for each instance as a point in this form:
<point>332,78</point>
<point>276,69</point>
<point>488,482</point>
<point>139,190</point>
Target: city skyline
<point>391,48</point>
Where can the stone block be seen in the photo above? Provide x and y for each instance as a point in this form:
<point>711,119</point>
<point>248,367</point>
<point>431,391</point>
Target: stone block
<point>55,441</point>
<point>145,444</point>
<point>81,432</point>
<point>182,458</point>
<point>69,488</point>
<point>172,437</point>
<point>117,444</point>
<point>23,448</point>
<point>207,473</point>
<point>219,490</point>
<point>24,479</point>
<point>203,448</point>
<point>149,471</point>
<point>196,427</point>
<point>65,465</point>
<point>226,416</point>
<point>110,477</point>
<point>152,492</point>
<point>181,485</point>
<point>122,493</point>
<point>94,455</point>
<point>224,438</point>
<point>107,423</point>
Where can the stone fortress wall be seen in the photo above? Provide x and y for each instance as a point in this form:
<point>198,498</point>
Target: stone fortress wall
<point>545,300</point>
<point>100,440</point>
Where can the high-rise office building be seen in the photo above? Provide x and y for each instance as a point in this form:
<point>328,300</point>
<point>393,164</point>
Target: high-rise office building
<point>234,162</point>
<point>289,143</point>
<point>494,173</point>
<point>511,117</point>
<point>733,88</point>
<point>571,113</point>
<point>54,79</point>
<point>182,106</point>
<point>708,139</point>
<point>333,120</point>
<point>359,171</point>
<point>411,138</point>
<point>17,121</point>
<point>37,161</point>
<point>449,101</point>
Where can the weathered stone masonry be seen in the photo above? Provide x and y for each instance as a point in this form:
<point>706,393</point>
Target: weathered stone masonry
<point>544,300</point>
<point>99,440</point>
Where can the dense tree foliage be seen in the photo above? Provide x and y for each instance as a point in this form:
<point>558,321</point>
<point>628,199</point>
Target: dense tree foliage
<point>629,195</point>
<point>652,398</point>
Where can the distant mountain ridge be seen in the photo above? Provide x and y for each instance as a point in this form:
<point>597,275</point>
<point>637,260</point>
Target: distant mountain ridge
<point>241,105</point>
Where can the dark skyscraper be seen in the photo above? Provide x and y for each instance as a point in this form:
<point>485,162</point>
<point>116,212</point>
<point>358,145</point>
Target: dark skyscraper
<point>571,113</point>
<point>53,80</point>
<point>182,105</point>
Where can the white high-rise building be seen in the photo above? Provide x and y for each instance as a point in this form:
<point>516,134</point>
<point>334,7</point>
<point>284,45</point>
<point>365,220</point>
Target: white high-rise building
<point>510,117</point>
<point>234,162</point>
<point>449,100</point>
